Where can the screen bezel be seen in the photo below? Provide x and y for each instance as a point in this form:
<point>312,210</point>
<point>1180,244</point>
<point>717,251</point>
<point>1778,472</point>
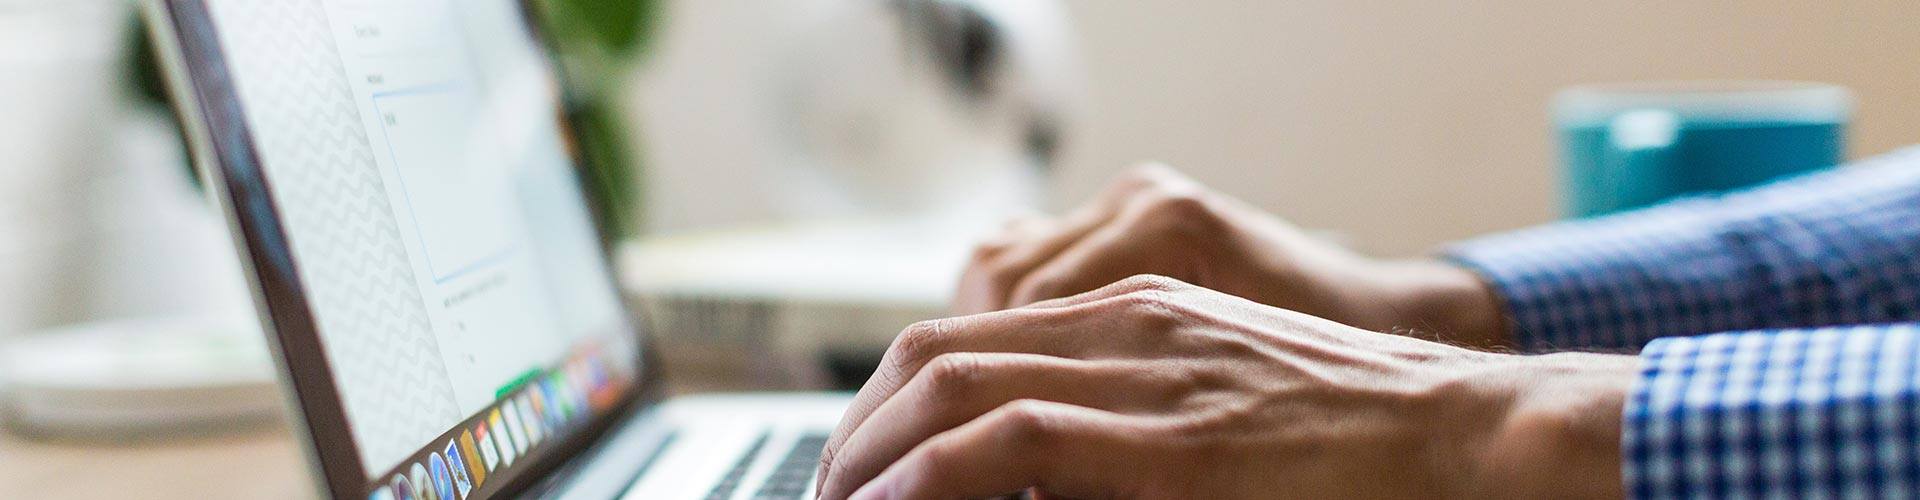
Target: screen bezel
<point>208,103</point>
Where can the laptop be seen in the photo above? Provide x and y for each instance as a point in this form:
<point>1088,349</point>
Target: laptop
<point>404,188</point>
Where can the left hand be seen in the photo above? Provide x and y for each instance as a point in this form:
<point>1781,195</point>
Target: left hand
<point>1152,388</point>
<point>1153,220</point>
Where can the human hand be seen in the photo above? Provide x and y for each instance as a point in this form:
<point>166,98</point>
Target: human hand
<point>1152,388</point>
<point>1152,220</point>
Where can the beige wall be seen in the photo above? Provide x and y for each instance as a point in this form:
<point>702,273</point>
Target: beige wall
<point>1406,124</point>
<point>1402,124</point>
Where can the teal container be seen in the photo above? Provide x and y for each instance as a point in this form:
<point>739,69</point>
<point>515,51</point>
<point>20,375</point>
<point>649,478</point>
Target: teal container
<point>1627,146</point>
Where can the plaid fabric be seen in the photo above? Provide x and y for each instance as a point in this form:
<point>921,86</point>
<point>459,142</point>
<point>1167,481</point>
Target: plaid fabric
<point>1838,248</point>
<point>1795,407</point>
<point>1826,413</point>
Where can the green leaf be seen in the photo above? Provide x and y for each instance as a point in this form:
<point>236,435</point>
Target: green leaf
<point>618,28</point>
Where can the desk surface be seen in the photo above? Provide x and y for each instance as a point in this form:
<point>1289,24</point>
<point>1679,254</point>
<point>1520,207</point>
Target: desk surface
<point>260,463</point>
<point>254,464</point>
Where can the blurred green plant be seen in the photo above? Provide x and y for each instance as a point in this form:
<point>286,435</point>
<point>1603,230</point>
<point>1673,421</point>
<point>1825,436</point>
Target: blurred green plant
<point>598,42</point>
<point>146,87</point>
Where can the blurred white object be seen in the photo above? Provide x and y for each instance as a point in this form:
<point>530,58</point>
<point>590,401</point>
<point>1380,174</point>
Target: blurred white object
<point>141,376</point>
<point>783,296</point>
<point>871,261</point>
<point>759,113</point>
<point>59,68</point>
<point>920,106</point>
<point>863,146</point>
<point>102,219</point>
<point>152,244</point>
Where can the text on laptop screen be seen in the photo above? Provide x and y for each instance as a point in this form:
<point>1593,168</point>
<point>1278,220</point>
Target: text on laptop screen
<point>415,152</point>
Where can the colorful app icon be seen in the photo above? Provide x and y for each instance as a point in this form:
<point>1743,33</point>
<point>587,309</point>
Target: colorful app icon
<point>442,477</point>
<point>577,374</point>
<point>569,386</point>
<point>501,436</point>
<point>403,488</point>
<point>512,414</point>
<point>422,482</point>
<point>457,467</point>
<point>550,397</point>
<point>488,454</point>
<point>474,466</point>
<point>538,397</point>
<point>529,421</point>
<point>382,493</point>
<point>597,374</point>
<point>556,416</point>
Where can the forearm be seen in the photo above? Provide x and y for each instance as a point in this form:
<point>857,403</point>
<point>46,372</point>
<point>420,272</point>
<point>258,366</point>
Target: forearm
<point>1837,248</point>
<point>1436,300</point>
<point>1806,413</point>
<point>1560,436</point>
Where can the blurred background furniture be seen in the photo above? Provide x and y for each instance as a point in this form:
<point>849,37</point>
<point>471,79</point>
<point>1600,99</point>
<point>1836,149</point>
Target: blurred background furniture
<point>1391,122</point>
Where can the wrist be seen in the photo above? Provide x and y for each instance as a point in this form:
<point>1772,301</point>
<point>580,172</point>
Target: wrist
<point>1440,301</point>
<point>1560,435</point>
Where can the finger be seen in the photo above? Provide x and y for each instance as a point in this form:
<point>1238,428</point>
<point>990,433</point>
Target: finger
<point>1063,449</point>
<point>1136,241</point>
<point>1026,223</point>
<point>1017,229</point>
<point>1100,258</point>
<point>1139,283</point>
<point>957,388</point>
<point>1095,329</point>
<point>996,268</point>
<point>1020,331</point>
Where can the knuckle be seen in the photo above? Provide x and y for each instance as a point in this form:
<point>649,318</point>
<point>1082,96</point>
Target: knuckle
<point>1152,309</point>
<point>825,465</point>
<point>1142,180</point>
<point>1002,274</point>
<point>1152,283</point>
<point>1027,422</point>
<point>921,340</point>
<point>1146,173</point>
<point>831,468</point>
<point>953,373</point>
<point>1147,301</point>
<point>1180,201</point>
<point>1178,209</point>
<point>940,454</point>
<point>840,472</point>
<point>1041,287</point>
<point>1153,174</point>
<point>990,251</point>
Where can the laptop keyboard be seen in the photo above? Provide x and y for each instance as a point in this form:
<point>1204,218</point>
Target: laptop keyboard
<point>731,481</point>
<point>789,479</point>
<point>794,475</point>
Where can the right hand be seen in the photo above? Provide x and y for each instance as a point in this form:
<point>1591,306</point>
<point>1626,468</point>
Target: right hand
<point>1153,388</point>
<point>1153,220</point>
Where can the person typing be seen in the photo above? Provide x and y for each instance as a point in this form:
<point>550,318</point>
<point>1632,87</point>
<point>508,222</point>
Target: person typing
<point>1168,341</point>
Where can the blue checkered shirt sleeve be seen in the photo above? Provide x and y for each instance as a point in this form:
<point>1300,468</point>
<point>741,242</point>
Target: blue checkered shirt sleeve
<point>1837,248</point>
<point>1815,413</point>
<point>1790,406</point>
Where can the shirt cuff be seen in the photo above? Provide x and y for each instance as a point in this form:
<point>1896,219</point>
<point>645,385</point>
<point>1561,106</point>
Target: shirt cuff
<point>1827,413</point>
<point>1617,282</point>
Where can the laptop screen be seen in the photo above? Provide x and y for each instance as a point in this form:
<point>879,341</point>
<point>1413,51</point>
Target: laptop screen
<point>417,161</point>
